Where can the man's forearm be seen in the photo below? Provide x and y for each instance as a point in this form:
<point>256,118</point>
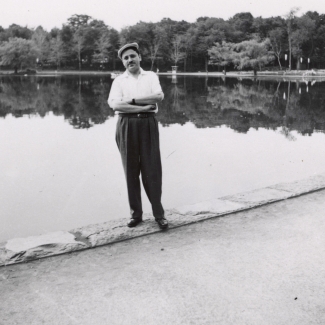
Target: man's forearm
<point>124,107</point>
<point>151,99</point>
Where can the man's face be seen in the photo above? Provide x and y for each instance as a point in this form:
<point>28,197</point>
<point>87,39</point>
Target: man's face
<point>131,60</point>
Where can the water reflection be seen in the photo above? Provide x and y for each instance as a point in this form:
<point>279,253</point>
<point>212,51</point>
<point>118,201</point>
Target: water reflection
<point>240,104</point>
<point>55,178</point>
<point>81,100</point>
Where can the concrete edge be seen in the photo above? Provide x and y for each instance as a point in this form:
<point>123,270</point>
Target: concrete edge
<point>19,250</point>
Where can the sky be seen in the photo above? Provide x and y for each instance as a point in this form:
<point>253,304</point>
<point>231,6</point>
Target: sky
<point>122,13</point>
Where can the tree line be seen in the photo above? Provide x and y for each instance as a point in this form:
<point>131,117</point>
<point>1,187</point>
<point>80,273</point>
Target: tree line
<point>209,44</point>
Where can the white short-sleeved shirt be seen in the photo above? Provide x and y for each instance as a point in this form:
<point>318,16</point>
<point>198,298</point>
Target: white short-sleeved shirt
<point>127,86</point>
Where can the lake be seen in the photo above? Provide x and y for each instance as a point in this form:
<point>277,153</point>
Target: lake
<point>60,167</point>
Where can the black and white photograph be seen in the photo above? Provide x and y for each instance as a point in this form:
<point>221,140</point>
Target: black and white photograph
<point>162,162</point>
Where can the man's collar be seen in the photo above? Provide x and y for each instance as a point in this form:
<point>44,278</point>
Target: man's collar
<point>126,74</point>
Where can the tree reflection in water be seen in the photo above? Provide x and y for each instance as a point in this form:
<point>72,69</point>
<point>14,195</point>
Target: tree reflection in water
<point>81,100</point>
<point>242,104</point>
<point>238,103</point>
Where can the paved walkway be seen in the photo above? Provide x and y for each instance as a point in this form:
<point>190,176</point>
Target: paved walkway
<point>261,266</point>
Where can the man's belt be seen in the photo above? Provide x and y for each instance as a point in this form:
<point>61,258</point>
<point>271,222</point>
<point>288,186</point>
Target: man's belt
<point>138,115</point>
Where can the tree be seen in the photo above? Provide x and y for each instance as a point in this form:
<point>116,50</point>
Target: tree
<point>79,43</point>
<point>90,39</point>
<point>18,52</point>
<point>263,26</point>
<point>3,34</point>
<point>314,47</point>
<point>103,47</point>
<point>247,54</point>
<point>289,17</point>
<point>82,34</point>
<point>58,53</point>
<point>97,24</point>
<point>154,42</point>
<point>208,32</point>
<point>15,30</point>
<point>66,37</point>
<point>114,41</point>
<point>137,33</point>
<point>82,39</point>
<point>243,25</point>
<point>77,21</point>
<point>304,33</point>
<point>149,36</point>
<point>169,29</point>
<point>176,53</point>
<point>54,32</point>
<point>276,37</point>
<point>221,54</point>
<point>252,54</point>
<point>188,40</point>
<point>319,50</point>
<point>41,41</point>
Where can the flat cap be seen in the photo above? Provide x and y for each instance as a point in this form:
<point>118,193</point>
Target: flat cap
<point>125,47</point>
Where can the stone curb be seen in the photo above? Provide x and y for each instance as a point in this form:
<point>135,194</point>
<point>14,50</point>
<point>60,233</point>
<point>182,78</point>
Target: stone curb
<point>19,250</point>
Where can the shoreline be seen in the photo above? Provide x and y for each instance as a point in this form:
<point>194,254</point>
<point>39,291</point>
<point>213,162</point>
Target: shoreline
<point>18,250</point>
<point>309,74</point>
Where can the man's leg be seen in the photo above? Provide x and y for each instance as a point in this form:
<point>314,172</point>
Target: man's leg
<point>127,142</point>
<point>151,170</point>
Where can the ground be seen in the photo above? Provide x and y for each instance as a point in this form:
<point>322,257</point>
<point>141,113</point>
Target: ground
<point>260,266</point>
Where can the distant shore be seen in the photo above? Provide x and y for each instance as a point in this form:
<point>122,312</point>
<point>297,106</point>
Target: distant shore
<point>282,74</point>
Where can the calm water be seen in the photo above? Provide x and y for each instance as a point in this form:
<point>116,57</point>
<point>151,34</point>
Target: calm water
<point>60,167</point>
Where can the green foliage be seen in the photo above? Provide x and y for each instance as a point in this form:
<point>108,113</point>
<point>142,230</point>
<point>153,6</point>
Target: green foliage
<point>247,54</point>
<point>177,54</point>
<point>90,39</point>
<point>103,47</point>
<point>58,53</point>
<point>252,54</point>
<point>18,52</point>
<point>41,40</point>
<point>303,33</point>
<point>263,26</point>
<point>84,42</point>
<point>221,54</point>
<point>19,32</point>
<point>290,16</point>
<point>15,31</point>
<point>77,21</point>
<point>277,41</point>
<point>150,37</point>
<point>243,22</point>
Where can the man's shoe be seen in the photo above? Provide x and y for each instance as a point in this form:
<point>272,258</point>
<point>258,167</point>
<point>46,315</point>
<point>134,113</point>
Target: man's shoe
<point>162,223</point>
<point>134,222</point>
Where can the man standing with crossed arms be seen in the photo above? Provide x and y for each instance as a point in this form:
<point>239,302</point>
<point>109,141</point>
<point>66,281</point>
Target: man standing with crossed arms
<point>135,95</point>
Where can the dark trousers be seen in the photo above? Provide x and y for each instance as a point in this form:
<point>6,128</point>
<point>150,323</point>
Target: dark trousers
<point>138,141</point>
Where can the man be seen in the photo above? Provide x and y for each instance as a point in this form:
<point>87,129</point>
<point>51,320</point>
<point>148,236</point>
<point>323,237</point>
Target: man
<point>135,95</point>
